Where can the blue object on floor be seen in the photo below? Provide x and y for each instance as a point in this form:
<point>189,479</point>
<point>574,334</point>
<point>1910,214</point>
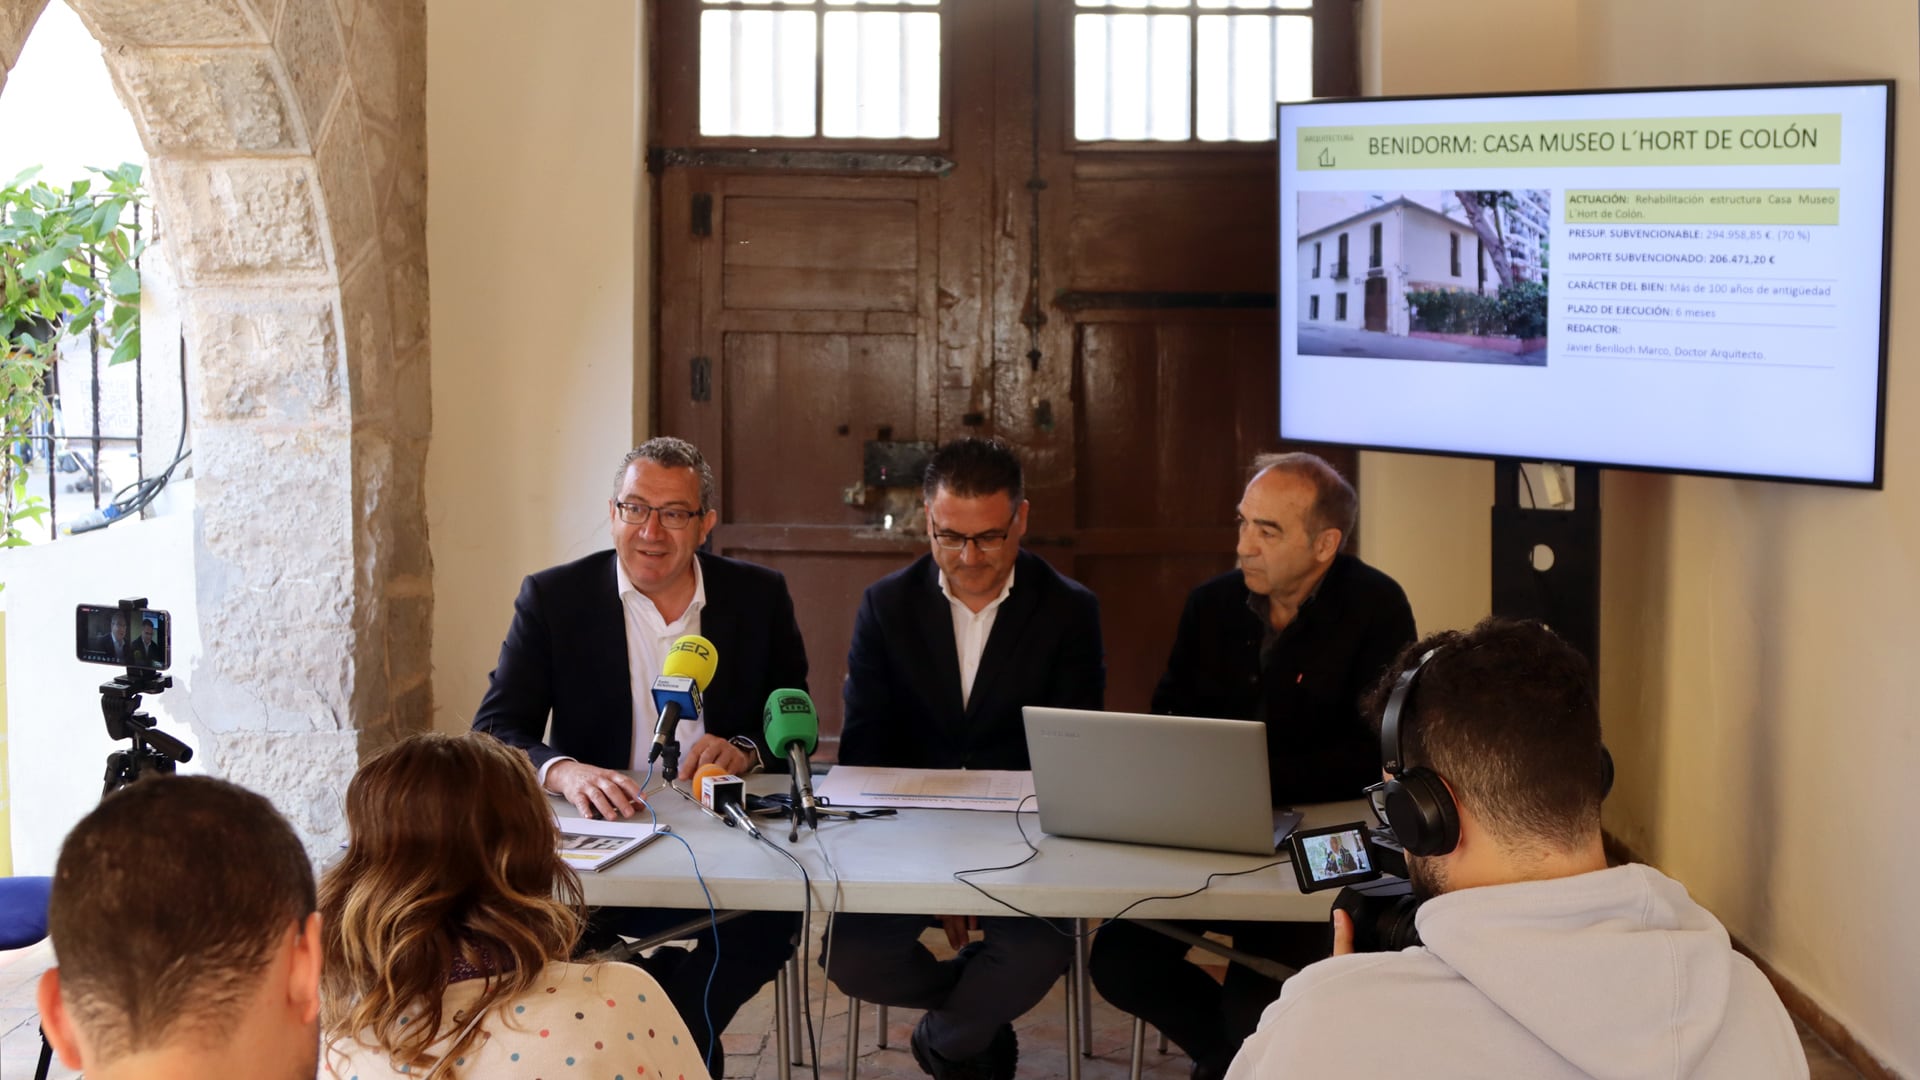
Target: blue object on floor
<point>23,911</point>
<point>23,922</point>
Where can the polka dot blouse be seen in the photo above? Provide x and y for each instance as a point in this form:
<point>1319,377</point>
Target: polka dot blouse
<point>578,1022</point>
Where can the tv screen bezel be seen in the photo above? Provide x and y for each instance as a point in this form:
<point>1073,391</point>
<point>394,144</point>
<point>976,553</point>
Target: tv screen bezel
<point>1285,299</point>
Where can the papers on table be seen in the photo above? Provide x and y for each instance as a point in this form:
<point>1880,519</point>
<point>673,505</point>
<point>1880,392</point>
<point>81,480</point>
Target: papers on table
<point>943,789</point>
<point>589,845</point>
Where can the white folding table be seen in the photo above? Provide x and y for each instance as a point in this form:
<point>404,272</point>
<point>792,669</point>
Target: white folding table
<point>905,864</point>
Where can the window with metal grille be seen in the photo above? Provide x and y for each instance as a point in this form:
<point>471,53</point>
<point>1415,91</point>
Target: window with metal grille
<point>859,69</point>
<point>1188,70</point>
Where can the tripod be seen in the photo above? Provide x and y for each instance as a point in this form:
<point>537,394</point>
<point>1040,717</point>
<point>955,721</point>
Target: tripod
<point>152,751</point>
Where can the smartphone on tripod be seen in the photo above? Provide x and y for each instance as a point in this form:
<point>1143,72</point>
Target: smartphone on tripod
<point>139,638</point>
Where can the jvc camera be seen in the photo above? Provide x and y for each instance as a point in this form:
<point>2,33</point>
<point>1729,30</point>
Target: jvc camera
<point>1370,869</point>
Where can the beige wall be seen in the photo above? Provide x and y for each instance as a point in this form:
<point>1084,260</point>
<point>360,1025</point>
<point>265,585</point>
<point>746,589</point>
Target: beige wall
<point>534,155</point>
<point>1757,637</point>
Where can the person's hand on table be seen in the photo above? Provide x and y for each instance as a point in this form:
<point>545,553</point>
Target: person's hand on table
<point>957,928</point>
<point>595,792</point>
<point>713,750</point>
<point>1342,933</point>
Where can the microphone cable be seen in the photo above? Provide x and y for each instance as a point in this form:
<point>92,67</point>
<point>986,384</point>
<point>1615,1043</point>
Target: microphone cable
<point>713,916</point>
<point>826,947</point>
<point>1033,852</point>
<point>806,933</point>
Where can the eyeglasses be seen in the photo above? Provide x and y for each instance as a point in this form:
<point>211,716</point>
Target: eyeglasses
<point>637,513</point>
<point>985,543</point>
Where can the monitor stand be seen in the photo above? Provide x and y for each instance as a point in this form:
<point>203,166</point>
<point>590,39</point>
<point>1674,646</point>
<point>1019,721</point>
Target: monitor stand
<point>1546,559</point>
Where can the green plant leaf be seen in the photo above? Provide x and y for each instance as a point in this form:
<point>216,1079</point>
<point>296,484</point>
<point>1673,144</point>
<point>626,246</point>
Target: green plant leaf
<point>125,280</point>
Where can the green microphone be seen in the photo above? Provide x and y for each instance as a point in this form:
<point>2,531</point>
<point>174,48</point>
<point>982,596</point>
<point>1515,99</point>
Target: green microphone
<point>792,730</point>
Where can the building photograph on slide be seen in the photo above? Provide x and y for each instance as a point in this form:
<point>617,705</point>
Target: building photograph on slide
<point>1450,276</point>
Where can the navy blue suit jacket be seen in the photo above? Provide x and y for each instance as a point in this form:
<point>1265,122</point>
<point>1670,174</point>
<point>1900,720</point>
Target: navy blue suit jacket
<point>566,655</point>
<point>903,670</point>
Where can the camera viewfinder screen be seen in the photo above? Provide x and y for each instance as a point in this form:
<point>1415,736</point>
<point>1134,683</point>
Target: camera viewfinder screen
<point>1335,855</point>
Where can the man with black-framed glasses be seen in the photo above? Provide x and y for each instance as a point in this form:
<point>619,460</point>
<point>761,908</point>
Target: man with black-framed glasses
<point>945,654</point>
<point>587,640</point>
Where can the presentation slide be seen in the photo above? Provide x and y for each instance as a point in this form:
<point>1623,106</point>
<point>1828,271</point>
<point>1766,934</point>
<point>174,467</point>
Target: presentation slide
<point>1688,280</point>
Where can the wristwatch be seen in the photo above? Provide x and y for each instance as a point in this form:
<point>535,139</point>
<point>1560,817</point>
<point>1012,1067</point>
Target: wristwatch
<point>754,762</point>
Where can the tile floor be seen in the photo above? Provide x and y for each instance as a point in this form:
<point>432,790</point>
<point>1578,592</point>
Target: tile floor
<point>750,1040</point>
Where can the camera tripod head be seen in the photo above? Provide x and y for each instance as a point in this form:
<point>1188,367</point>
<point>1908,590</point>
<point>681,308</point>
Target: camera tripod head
<point>153,751</point>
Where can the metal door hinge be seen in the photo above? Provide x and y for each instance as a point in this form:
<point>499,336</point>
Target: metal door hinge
<point>703,214</point>
<point>700,378</point>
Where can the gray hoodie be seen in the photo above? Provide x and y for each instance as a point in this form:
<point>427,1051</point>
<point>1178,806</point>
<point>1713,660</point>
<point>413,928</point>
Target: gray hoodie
<point>1612,974</point>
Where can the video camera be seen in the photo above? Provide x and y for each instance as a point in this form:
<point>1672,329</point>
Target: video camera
<point>1370,869</point>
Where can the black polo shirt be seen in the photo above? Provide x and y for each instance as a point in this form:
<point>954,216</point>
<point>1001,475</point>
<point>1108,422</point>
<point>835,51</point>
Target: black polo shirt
<point>1305,683</point>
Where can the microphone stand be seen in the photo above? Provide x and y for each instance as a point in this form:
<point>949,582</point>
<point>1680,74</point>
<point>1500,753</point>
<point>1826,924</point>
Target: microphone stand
<point>793,810</point>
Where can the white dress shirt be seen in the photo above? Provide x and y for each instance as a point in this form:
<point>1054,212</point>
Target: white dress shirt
<point>648,638</point>
<point>970,632</point>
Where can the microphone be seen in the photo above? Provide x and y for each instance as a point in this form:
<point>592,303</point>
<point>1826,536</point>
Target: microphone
<point>793,729</point>
<point>715,787</point>
<point>676,693</point>
<point>723,793</point>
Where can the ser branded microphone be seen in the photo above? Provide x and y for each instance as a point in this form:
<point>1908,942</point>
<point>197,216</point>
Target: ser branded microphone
<point>793,729</point>
<point>676,693</point>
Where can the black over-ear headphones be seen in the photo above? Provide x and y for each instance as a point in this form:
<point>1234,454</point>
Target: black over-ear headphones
<point>1417,804</point>
<point>1418,807</point>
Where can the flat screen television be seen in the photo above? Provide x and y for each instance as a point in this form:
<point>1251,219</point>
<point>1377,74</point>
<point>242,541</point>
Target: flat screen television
<point>1684,280</point>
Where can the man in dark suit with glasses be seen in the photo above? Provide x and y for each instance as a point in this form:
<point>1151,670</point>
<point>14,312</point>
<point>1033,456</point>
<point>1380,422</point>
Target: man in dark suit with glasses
<point>587,640</point>
<point>945,654</point>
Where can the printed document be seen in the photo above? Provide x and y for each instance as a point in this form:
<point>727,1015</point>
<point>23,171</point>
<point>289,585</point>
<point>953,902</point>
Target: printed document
<point>942,789</point>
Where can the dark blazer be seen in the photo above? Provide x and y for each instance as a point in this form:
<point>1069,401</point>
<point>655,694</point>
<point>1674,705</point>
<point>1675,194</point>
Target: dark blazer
<point>903,670</point>
<point>566,654</point>
<point>1306,685</point>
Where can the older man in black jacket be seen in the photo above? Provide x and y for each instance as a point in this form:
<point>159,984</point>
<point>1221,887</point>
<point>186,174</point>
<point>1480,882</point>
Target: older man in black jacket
<point>945,654</point>
<point>1293,638</point>
<point>587,640</point>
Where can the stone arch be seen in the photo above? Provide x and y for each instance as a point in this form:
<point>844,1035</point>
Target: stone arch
<point>287,148</point>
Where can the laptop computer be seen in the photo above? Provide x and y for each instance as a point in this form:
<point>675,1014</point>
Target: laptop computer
<point>1175,781</point>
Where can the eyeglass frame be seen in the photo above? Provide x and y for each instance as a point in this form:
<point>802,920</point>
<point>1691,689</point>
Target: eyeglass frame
<point>945,540</point>
<point>648,510</point>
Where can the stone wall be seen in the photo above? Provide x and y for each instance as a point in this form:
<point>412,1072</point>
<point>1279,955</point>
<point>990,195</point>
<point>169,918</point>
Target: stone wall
<point>288,146</point>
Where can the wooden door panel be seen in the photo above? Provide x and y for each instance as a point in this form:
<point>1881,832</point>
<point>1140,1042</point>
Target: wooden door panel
<point>1172,411</point>
<point>814,400</point>
<point>826,588</point>
<point>1192,224</point>
<point>821,254</point>
<point>1140,601</point>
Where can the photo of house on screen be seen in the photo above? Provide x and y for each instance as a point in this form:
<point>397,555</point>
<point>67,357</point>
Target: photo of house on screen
<point>1424,275</point>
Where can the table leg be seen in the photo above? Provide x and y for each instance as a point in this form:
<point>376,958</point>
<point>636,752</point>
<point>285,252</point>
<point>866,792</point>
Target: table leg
<point>796,1004</point>
<point>782,1030</point>
<point>1073,1027</point>
<point>1083,986</point>
<point>853,1037</point>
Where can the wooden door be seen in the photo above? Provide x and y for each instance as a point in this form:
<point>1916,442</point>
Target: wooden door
<point>827,307</point>
<point>1377,304</point>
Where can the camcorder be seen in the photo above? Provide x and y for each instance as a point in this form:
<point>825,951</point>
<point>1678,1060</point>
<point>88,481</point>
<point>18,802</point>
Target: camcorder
<point>1369,868</point>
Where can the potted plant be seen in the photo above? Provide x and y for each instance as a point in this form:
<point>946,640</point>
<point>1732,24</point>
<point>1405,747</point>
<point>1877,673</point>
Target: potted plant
<point>67,264</point>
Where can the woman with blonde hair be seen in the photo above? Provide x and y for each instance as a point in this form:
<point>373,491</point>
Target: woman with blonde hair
<point>448,925</point>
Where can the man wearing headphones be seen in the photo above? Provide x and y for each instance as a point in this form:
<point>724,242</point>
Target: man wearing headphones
<point>1537,959</point>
